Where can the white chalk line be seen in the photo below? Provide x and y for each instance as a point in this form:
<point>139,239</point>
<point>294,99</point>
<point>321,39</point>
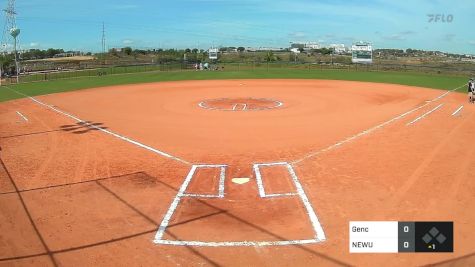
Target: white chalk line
<point>260,185</point>
<point>181,193</point>
<point>425,115</point>
<point>278,104</point>
<point>90,125</point>
<point>281,195</point>
<point>222,177</point>
<point>319,234</point>
<point>173,206</point>
<point>457,111</point>
<point>370,130</point>
<point>317,227</point>
<point>22,116</point>
<point>202,105</point>
<point>201,196</point>
<point>260,182</point>
<point>237,243</point>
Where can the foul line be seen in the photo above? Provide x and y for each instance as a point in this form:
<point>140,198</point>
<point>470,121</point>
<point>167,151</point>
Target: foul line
<point>424,115</point>
<point>457,111</point>
<point>90,125</point>
<point>370,130</point>
<point>22,116</point>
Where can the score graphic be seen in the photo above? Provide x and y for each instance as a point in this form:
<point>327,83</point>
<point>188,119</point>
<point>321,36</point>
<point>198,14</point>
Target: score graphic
<point>395,237</point>
<point>434,237</point>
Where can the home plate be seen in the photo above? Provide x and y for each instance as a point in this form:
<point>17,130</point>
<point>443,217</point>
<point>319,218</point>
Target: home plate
<point>240,180</point>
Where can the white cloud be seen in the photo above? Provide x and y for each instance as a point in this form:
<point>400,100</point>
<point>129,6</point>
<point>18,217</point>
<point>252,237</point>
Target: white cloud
<point>34,44</point>
<point>128,41</point>
<point>471,42</point>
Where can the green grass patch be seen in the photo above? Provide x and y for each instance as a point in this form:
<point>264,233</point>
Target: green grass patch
<point>64,85</point>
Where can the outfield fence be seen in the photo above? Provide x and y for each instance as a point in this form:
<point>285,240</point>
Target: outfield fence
<point>468,70</point>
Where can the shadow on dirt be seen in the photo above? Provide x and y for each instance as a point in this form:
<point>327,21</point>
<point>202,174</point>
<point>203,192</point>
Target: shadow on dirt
<point>78,128</point>
<point>83,127</point>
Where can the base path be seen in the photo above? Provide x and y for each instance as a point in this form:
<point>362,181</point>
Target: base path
<point>143,174</point>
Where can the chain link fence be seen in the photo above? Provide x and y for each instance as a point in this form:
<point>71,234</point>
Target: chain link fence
<point>468,70</point>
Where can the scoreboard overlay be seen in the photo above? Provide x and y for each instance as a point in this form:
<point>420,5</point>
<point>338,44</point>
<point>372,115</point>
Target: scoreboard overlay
<point>400,237</point>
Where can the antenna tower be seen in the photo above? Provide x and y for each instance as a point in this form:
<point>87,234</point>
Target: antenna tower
<point>11,33</point>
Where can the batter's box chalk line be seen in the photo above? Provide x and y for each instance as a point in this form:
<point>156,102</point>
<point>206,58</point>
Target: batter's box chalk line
<point>319,235</point>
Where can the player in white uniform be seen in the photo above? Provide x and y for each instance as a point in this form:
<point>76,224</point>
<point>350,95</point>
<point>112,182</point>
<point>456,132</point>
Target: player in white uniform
<point>471,90</point>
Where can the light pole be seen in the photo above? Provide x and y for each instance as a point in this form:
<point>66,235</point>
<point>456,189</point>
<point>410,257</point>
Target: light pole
<point>14,32</point>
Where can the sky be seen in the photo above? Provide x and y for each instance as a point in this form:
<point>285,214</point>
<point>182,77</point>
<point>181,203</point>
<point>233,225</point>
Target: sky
<point>77,24</point>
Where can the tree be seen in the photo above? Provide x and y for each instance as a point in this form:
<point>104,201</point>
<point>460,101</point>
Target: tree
<point>241,49</point>
<point>7,61</point>
<point>195,50</point>
<point>51,52</point>
<point>140,51</point>
<point>113,52</point>
<point>270,56</point>
<point>127,50</point>
<point>187,50</point>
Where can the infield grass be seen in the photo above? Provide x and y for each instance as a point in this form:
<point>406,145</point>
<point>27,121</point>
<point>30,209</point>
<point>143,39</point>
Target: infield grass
<point>414,79</point>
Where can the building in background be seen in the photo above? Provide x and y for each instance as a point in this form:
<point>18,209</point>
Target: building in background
<point>305,45</point>
<point>69,54</point>
<point>362,52</point>
<point>295,50</point>
<point>338,48</point>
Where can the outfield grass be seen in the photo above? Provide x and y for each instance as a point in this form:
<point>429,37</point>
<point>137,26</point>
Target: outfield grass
<point>63,85</point>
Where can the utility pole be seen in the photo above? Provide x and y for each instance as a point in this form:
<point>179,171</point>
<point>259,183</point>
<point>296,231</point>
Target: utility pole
<point>333,50</point>
<point>11,31</point>
<point>103,44</point>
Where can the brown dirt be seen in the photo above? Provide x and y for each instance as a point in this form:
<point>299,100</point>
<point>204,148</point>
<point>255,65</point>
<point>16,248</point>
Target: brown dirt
<point>74,196</point>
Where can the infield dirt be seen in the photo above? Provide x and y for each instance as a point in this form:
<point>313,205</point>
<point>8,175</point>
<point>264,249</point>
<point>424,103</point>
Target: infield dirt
<point>73,195</point>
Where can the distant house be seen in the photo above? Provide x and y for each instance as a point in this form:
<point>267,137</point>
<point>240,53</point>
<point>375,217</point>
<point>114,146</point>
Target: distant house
<point>265,49</point>
<point>305,45</point>
<point>295,50</point>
